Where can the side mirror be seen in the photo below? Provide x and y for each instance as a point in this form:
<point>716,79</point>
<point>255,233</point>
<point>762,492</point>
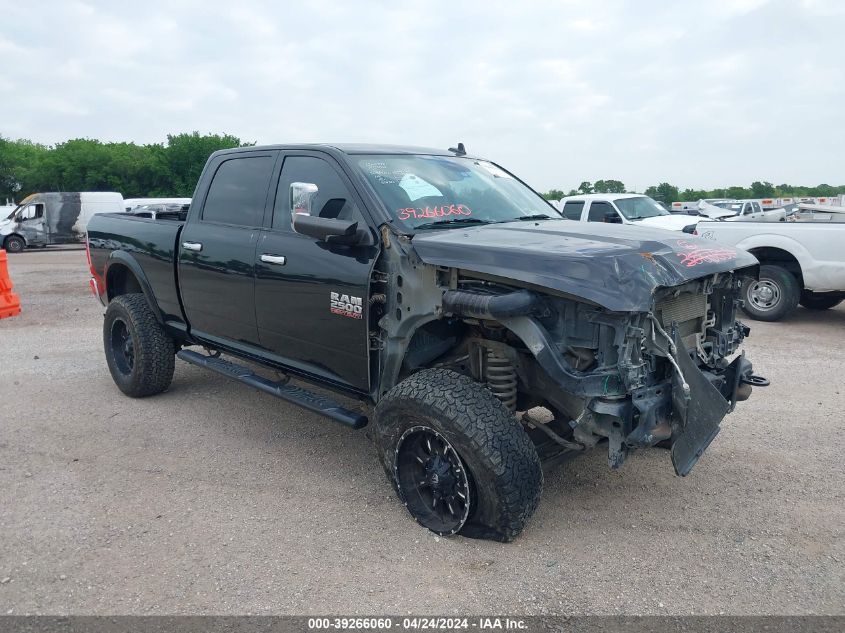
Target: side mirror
<point>327,230</point>
<point>612,217</point>
<point>301,196</point>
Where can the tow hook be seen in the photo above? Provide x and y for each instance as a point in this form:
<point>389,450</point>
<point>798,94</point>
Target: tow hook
<point>743,391</point>
<point>755,381</point>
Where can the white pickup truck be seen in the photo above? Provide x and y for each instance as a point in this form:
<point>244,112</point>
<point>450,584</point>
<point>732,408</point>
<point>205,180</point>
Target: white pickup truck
<point>751,211</point>
<point>800,262</point>
<point>624,208</point>
<point>740,211</point>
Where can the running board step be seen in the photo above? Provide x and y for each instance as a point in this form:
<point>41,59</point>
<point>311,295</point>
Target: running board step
<point>297,395</point>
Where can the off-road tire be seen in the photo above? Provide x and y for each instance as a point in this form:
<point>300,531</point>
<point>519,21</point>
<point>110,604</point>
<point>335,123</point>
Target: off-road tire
<point>783,282</point>
<point>14,244</point>
<point>505,474</point>
<point>815,301</point>
<point>151,371</point>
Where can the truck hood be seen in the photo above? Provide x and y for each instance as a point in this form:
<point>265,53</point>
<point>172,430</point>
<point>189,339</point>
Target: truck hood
<point>617,267</point>
<point>668,222</point>
<point>712,211</point>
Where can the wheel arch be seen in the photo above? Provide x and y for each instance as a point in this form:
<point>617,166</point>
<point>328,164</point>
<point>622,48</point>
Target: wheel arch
<point>773,255</point>
<point>124,275</point>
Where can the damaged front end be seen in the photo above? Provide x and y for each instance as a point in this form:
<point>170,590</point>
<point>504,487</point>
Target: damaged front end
<point>664,377</point>
<point>669,378</point>
<point>623,339</point>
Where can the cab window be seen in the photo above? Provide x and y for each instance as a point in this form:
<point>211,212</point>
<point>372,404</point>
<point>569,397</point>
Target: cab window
<point>333,198</point>
<point>599,211</point>
<point>572,210</point>
<point>32,212</point>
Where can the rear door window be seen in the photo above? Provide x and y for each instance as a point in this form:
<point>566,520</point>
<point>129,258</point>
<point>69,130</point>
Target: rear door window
<point>572,210</point>
<point>238,191</point>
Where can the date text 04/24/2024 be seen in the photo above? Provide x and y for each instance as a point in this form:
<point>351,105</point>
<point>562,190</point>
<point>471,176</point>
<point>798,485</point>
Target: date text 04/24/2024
<point>418,623</point>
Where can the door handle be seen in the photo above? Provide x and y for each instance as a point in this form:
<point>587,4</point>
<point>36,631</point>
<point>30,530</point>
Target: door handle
<point>192,246</point>
<point>273,259</point>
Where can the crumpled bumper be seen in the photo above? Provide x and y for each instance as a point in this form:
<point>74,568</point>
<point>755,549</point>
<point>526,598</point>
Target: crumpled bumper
<point>698,413</point>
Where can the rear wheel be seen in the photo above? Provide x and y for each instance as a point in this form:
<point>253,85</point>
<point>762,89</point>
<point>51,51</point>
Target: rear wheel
<point>14,244</point>
<point>139,353</point>
<point>771,297</point>
<point>815,301</point>
<point>457,457</point>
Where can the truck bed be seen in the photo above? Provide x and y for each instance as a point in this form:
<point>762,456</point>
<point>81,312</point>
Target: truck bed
<point>816,246</point>
<point>153,245</point>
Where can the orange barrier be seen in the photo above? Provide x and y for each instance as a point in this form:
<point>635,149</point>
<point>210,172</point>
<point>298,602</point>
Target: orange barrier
<point>10,304</point>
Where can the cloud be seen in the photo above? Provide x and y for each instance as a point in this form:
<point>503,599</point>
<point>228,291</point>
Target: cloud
<point>641,91</point>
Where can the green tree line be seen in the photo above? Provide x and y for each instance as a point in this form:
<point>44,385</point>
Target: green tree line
<point>666,192</point>
<point>159,169</point>
<point>173,168</point>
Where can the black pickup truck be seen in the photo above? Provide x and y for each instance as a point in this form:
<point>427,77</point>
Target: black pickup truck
<point>483,334</point>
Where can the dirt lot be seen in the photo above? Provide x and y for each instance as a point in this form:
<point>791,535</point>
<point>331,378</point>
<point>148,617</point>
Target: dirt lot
<point>213,498</point>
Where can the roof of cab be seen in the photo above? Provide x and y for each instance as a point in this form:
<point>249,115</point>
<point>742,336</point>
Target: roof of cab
<point>346,148</point>
<point>602,196</point>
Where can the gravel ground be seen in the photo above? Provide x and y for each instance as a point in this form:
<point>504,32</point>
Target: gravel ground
<point>213,498</point>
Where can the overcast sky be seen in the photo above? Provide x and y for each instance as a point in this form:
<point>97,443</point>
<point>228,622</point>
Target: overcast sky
<point>699,94</point>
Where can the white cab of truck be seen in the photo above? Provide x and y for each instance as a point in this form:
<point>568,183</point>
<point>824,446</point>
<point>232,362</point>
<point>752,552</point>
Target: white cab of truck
<point>624,208</point>
<point>800,262</point>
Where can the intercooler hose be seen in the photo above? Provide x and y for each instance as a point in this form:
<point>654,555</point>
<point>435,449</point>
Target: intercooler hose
<point>483,306</point>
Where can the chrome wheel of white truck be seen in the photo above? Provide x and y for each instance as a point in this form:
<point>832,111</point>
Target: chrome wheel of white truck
<point>774,295</point>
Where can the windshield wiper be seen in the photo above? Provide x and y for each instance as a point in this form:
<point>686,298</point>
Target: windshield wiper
<point>451,222</point>
<point>536,216</point>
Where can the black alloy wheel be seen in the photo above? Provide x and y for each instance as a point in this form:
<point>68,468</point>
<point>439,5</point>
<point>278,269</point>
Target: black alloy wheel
<point>123,347</point>
<point>432,480</point>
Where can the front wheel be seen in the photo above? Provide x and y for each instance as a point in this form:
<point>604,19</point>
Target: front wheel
<point>773,296</point>
<point>816,301</point>
<point>14,244</point>
<point>139,353</point>
<point>458,459</point>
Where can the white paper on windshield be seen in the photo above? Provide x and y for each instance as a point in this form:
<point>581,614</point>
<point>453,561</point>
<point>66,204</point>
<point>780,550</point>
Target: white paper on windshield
<point>417,188</point>
<point>493,170</point>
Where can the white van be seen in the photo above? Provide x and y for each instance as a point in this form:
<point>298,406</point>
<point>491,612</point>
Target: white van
<point>625,208</point>
<point>54,218</point>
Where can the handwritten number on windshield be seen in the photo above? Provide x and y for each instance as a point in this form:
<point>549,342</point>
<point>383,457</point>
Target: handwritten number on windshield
<point>438,211</point>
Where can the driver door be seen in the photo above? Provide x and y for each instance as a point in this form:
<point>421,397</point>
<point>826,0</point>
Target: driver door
<point>32,225</point>
<point>311,297</point>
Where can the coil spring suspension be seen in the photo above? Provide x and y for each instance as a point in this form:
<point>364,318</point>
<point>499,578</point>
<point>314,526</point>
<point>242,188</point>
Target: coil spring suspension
<point>500,376</point>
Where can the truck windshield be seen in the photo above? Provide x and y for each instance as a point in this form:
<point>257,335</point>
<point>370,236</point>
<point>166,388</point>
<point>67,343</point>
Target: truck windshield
<point>640,208</point>
<point>442,191</point>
